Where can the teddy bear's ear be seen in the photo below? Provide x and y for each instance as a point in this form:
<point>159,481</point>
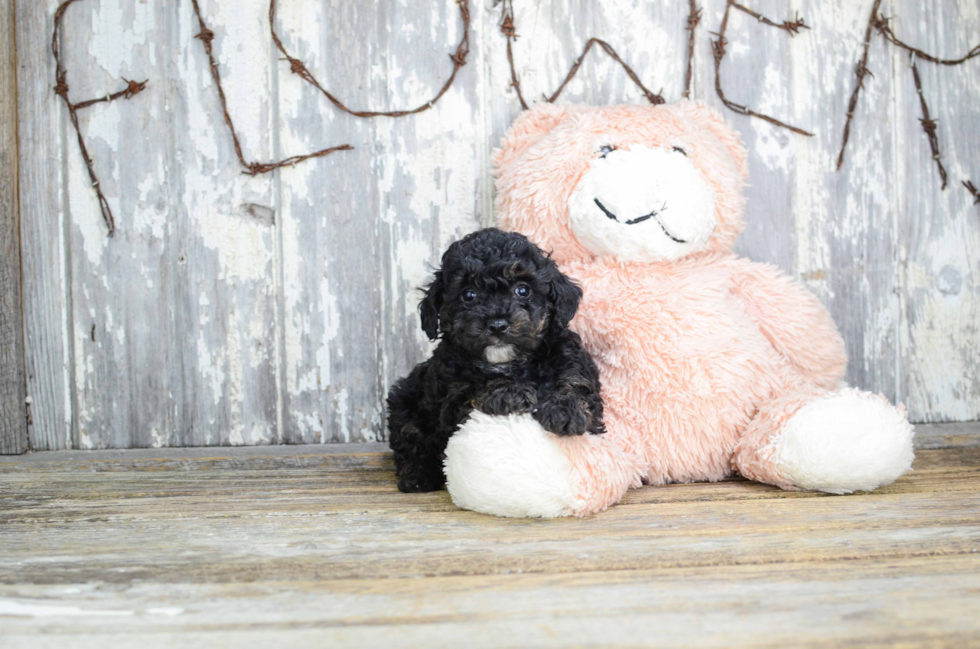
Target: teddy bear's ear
<point>710,119</point>
<point>528,128</point>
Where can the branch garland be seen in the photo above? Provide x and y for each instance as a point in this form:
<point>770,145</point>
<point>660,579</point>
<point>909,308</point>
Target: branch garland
<point>299,68</point>
<point>881,24</point>
<point>693,18</point>
<point>973,190</point>
<point>929,125</point>
<point>61,89</point>
<point>861,71</point>
<point>718,48</point>
<point>206,36</point>
<point>508,29</point>
<point>510,33</point>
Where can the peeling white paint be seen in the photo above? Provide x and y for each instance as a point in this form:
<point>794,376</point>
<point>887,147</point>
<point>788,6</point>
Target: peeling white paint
<point>119,31</point>
<point>244,247</point>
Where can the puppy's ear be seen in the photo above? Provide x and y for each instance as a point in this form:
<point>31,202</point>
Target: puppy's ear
<point>564,295</point>
<point>430,305</point>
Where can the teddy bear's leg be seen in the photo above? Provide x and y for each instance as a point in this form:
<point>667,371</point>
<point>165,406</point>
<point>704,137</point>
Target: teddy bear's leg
<point>834,441</point>
<point>511,466</point>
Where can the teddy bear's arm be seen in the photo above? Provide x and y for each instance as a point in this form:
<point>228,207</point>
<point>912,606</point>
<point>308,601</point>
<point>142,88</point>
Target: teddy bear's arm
<point>793,320</point>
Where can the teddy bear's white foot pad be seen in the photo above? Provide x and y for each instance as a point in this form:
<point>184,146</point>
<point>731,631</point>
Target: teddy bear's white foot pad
<point>844,442</point>
<point>509,466</point>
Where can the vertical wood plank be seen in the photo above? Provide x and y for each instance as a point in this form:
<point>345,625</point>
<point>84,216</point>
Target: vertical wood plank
<point>939,231</point>
<point>846,240</point>
<point>757,72</point>
<point>225,291</point>
<point>41,119</point>
<point>122,334</point>
<point>13,386</point>
<point>360,228</point>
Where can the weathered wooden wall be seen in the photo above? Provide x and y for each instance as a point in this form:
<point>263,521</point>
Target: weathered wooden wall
<point>278,309</point>
<point>13,418</point>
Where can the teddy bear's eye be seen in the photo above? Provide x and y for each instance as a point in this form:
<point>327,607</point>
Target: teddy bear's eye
<point>469,295</point>
<point>606,149</point>
<point>681,151</point>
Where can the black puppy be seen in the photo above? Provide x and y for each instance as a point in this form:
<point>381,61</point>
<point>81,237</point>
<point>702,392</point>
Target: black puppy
<point>502,309</point>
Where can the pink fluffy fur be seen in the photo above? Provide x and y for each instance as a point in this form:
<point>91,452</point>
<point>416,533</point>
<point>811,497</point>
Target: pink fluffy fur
<point>704,359</point>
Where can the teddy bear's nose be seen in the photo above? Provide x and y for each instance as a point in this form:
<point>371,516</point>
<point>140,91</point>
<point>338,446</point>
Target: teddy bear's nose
<point>498,326</point>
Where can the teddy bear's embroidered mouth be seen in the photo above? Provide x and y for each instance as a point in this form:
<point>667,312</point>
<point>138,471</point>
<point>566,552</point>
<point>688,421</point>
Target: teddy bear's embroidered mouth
<point>640,219</point>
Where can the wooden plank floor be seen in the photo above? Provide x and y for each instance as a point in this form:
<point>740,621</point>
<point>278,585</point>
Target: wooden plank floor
<point>315,547</point>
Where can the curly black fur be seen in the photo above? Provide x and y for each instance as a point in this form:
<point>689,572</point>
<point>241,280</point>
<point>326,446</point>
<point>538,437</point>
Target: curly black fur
<point>501,308</point>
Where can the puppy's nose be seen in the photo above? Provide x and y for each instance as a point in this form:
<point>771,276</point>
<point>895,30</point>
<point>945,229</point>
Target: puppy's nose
<point>498,326</point>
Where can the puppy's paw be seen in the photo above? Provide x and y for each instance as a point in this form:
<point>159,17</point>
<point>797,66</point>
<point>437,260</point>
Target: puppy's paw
<point>512,398</point>
<point>564,415</point>
<point>420,482</point>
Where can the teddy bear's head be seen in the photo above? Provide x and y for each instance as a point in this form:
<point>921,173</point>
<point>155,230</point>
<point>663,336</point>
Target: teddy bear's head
<point>626,183</point>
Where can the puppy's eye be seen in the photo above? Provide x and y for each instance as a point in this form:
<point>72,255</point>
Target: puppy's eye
<point>680,151</point>
<point>606,149</point>
<point>469,295</point>
<point>522,290</point>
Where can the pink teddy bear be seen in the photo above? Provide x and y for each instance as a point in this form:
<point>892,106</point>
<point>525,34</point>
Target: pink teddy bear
<point>711,364</point>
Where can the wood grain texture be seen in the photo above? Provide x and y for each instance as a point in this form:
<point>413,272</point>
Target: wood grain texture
<point>329,551</point>
<point>13,384</point>
<point>121,292</point>
<point>409,188</point>
<point>278,309</point>
<point>42,123</point>
<point>225,298</point>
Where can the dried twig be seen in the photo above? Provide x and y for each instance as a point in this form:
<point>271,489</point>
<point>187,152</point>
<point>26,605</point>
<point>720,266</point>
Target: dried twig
<point>718,48</point>
<point>61,89</point>
<point>881,24</point>
<point>973,190</point>
<point>861,71</point>
<point>791,26</point>
<point>458,58</point>
<point>929,125</point>
<point>509,31</point>
<point>693,18</point>
<point>652,97</point>
<point>206,36</point>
